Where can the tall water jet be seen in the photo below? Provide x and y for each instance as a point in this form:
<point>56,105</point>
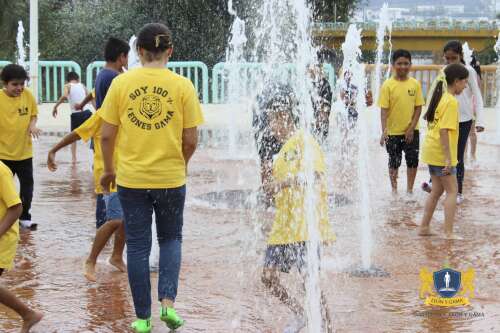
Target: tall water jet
<point>355,70</point>
<point>235,57</point>
<point>384,29</point>
<point>21,48</point>
<point>284,47</point>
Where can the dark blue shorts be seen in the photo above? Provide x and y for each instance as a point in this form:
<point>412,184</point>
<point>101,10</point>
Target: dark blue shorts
<point>78,118</point>
<point>285,257</point>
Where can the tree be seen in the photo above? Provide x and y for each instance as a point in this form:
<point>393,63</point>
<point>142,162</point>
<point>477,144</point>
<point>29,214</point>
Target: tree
<point>325,10</point>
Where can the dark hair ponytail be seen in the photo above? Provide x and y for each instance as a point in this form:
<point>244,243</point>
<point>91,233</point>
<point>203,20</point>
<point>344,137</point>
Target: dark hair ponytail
<point>452,73</point>
<point>155,38</point>
<point>455,46</point>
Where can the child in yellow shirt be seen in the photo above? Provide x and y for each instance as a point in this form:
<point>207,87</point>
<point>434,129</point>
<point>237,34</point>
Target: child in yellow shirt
<point>10,210</point>
<point>400,104</point>
<point>18,117</point>
<point>440,147</point>
<point>288,240</point>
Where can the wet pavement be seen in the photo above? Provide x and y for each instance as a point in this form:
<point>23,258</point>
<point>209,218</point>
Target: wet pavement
<point>220,288</point>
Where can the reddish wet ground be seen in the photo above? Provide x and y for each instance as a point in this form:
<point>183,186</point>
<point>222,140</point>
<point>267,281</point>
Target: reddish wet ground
<point>220,288</point>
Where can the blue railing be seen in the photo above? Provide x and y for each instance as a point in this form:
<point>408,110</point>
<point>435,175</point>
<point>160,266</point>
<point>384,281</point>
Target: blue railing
<point>412,25</point>
<point>250,75</point>
<point>52,77</point>
<point>196,71</point>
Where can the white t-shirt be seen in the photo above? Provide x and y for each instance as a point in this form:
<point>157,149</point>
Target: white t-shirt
<point>471,99</point>
<point>77,94</point>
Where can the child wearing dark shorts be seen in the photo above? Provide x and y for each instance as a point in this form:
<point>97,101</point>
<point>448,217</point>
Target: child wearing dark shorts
<point>400,103</point>
<point>288,242</point>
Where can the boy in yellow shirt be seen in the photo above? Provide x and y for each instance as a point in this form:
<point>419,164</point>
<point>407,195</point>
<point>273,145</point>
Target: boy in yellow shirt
<point>440,147</point>
<point>401,103</point>
<point>288,240</point>
<point>10,210</point>
<point>157,113</point>
<point>91,129</point>
<point>18,117</point>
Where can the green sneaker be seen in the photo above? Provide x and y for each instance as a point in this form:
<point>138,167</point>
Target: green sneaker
<point>141,326</point>
<point>170,317</point>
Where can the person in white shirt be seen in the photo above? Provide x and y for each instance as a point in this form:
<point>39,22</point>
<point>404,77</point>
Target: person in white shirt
<point>74,92</point>
<point>471,109</point>
<point>468,101</point>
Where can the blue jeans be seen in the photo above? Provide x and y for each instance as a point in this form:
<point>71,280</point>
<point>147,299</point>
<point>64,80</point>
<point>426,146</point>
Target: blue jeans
<point>138,206</point>
<point>100,211</point>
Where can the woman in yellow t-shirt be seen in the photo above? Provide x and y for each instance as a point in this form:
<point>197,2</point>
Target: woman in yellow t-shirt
<point>157,113</point>
<point>10,210</point>
<point>440,147</point>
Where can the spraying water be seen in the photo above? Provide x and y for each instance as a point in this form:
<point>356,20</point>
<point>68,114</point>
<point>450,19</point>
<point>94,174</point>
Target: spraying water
<point>235,57</point>
<point>21,49</point>
<point>355,70</point>
<point>284,48</point>
<point>467,53</point>
<point>384,28</point>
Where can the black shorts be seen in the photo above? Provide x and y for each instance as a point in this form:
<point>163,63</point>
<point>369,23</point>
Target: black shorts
<point>395,146</point>
<point>268,147</point>
<point>78,118</point>
<point>284,257</point>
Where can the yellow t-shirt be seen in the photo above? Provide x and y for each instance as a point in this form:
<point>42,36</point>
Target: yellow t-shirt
<point>15,117</point>
<point>91,129</point>
<point>290,223</point>
<point>8,198</point>
<point>401,98</point>
<point>446,116</point>
<point>151,106</point>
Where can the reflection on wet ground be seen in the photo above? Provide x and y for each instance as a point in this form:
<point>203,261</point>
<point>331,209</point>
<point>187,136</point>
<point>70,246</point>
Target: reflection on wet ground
<point>220,289</point>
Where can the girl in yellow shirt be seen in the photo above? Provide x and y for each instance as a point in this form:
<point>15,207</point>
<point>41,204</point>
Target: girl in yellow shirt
<point>440,147</point>
<point>157,113</point>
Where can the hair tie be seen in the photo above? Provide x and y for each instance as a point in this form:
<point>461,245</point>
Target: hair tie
<point>157,39</point>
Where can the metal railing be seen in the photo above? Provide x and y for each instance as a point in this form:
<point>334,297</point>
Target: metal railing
<point>412,25</point>
<point>196,71</point>
<point>249,75</point>
<point>52,77</point>
<point>427,73</point>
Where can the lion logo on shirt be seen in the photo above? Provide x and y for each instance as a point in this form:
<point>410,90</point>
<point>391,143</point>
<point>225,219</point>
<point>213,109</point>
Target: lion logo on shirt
<point>150,107</point>
<point>412,92</point>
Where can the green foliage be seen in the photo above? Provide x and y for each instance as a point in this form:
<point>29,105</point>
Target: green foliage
<point>77,29</point>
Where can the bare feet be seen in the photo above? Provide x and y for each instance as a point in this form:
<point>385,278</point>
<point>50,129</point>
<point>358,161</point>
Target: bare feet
<point>118,263</point>
<point>89,271</point>
<point>425,231</point>
<point>452,237</point>
<point>31,320</point>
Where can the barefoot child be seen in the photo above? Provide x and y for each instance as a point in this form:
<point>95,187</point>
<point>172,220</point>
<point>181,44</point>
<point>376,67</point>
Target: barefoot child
<point>74,92</point>
<point>18,117</point>
<point>400,104</point>
<point>156,113</point>
<point>91,129</point>
<point>10,210</point>
<point>440,147</point>
<point>287,243</point>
